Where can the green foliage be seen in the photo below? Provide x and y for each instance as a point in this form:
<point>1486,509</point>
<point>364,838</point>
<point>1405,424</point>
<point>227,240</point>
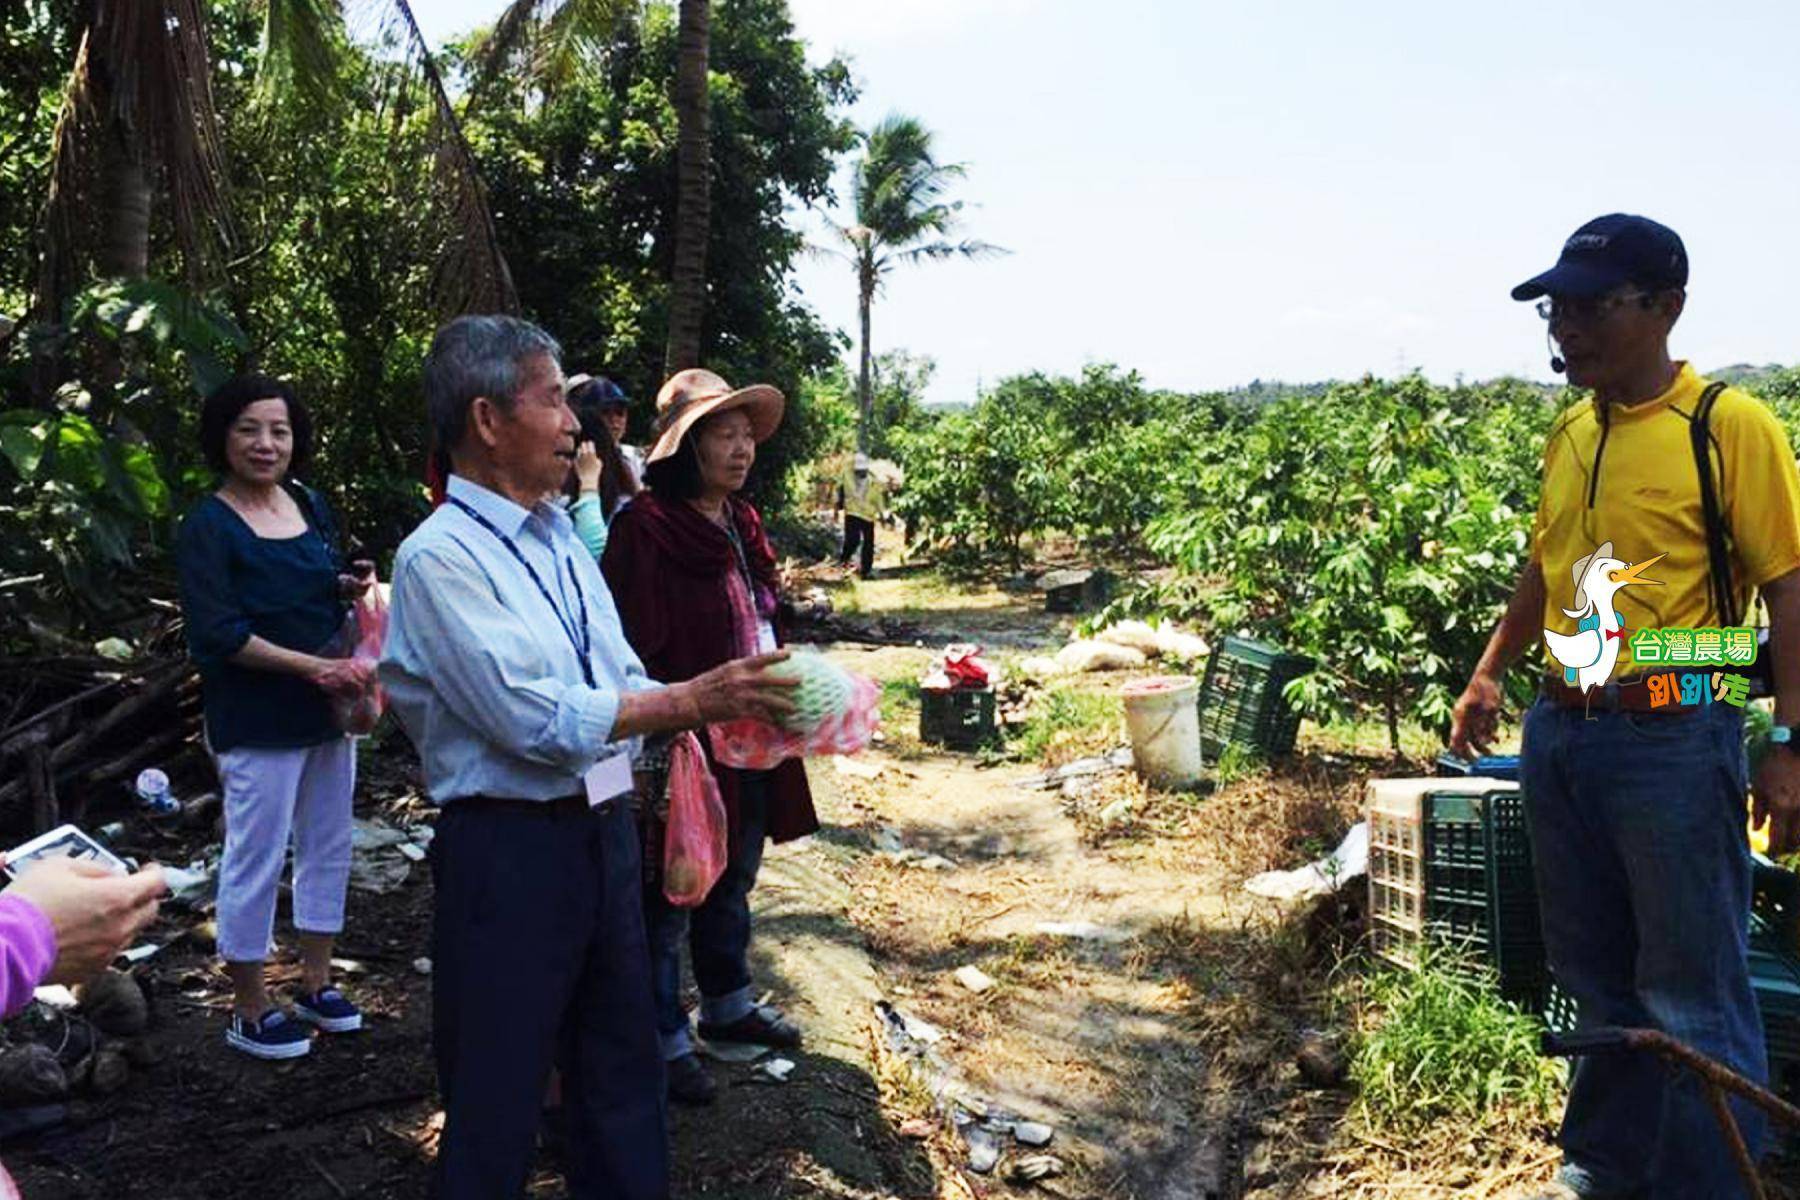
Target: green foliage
<point>828,404</point>
<point>87,483</point>
<point>330,283</point>
<point>36,51</point>
<point>1445,1047</point>
<point>584,188</point>
<point>1062,715</point>
<point>1378,528</point>
<point>77,507</point>
<point>1097,457</point>
<point>978,483</point>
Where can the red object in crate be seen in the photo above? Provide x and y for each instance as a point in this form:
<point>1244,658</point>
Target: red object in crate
<point>966,668</point>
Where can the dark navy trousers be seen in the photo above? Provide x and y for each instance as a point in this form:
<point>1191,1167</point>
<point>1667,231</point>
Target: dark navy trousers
<point>1643,875</point>
<point>540,958</point>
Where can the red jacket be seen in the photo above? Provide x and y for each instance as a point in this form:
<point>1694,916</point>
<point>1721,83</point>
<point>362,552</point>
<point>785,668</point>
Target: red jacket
<point>667,565</point>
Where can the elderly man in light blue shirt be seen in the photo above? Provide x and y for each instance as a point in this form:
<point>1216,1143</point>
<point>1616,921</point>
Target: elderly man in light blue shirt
<point>506,665</point>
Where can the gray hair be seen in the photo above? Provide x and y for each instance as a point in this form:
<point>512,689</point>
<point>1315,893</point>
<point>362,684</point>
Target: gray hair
<point>477,356</point>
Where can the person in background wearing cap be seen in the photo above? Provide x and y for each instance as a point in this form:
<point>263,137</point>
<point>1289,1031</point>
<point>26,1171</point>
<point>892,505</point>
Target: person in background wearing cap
<point>609,403</point>
<point>1637,813</point>
<point>696,586</point>
<point>507,667</point>
<point>603,481</point>
<point>859,498</point>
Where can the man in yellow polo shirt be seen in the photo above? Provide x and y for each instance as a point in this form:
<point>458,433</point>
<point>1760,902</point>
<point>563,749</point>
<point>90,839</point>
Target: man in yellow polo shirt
<point>860,498</point>
<point>1637,808</point>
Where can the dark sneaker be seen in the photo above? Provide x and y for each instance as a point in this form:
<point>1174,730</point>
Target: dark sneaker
<point>272,1035</point>
<point>690,1082</point>
<point>761,1026</point>
<point>328,1009</point>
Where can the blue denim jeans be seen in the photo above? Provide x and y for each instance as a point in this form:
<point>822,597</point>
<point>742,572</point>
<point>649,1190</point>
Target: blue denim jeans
<point>1643,876</point>
<point>717,933</point>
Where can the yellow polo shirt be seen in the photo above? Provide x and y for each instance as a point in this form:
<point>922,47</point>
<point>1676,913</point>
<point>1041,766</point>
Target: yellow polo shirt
<point>1630,479</point>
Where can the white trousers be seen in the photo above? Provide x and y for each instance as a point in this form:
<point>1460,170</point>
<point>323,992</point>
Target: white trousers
<point>270,796</point>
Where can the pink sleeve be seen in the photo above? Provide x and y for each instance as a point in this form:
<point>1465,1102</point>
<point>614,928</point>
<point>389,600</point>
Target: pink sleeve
<point>27,951</point>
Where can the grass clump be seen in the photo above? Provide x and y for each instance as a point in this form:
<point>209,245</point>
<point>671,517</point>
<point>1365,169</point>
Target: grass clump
<point>1440,1045</point>
<point>1065,724</point>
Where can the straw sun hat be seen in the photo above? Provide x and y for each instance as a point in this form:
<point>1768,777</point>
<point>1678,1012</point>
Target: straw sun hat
<point>694,394</point>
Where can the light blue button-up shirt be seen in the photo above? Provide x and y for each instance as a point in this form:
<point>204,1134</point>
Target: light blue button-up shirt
<point>480,670</point>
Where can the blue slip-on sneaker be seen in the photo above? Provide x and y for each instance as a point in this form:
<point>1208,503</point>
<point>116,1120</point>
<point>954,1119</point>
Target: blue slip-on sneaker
<point>272,1035</point>
<point>328,1009</point>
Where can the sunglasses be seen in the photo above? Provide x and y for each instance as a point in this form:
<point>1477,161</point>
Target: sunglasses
<point>1587,309</point>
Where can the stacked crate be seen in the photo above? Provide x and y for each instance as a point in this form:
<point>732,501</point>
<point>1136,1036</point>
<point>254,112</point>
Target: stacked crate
<point>1241,698</point>
<point>1449,859</point>
<point>1400,858</point>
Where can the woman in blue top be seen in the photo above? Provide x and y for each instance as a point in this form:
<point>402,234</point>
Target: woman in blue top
<point>263,596</point>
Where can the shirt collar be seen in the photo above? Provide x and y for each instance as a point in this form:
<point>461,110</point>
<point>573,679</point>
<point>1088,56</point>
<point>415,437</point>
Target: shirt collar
<point>1683,391</point>
<point>506,516</point>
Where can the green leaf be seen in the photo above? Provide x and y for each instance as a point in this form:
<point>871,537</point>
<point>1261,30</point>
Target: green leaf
<point>23,435</point>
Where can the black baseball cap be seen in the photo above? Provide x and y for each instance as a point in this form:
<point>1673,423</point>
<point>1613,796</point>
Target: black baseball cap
<point>1609,251</point>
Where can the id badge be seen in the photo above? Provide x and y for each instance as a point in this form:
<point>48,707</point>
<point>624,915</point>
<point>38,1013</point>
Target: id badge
<point>609,777</point>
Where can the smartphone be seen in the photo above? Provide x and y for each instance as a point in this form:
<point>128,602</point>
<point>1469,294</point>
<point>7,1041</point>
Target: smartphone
<point>65,841</point>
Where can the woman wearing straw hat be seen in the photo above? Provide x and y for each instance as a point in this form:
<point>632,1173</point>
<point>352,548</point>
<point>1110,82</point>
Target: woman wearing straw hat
<point>694,579</point>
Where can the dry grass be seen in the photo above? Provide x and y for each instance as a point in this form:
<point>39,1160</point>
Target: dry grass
<point>1277,818</point>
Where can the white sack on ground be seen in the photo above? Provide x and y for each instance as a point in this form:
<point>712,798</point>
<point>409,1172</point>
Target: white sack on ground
<point>1320,878</point>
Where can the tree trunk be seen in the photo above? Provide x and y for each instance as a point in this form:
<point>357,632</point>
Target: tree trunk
<point>693,177</point>
<point>865,384</point>
<point>124,251</point>
<point>1393,716</point>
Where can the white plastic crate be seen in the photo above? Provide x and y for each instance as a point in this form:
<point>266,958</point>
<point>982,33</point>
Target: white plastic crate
<point>1397,858</point>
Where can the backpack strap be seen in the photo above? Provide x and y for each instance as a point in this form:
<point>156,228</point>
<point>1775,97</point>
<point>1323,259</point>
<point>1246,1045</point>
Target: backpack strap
<point>1720,589</point>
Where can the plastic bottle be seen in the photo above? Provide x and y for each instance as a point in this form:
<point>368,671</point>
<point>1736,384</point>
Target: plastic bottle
<point>153,793</point>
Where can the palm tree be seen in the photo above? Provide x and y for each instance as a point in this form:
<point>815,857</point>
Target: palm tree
<point>693,195</point>
<point>138,103</point>
<point>137,113</point>
<point>551,37</point>
<point>897,195</point>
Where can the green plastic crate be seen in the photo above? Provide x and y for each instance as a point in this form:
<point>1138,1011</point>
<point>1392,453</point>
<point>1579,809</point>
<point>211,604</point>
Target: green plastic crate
<point>1456,900</point>
<point>1560,1011</point>
<point>1775,978</point>
<point>1479,890</point>
<point>1775,901</point>
<point>1241,698</point>
<point>958,718</point>
<point>1513,901</point>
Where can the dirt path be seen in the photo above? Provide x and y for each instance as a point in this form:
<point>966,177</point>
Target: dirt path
<point>1117,1006</point>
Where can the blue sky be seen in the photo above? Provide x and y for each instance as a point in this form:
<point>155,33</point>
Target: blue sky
<point>1211,193</point>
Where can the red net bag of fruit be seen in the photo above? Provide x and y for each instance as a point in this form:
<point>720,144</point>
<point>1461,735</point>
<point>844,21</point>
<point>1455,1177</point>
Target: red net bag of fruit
<point>695,842</point>
<point>835,713</point>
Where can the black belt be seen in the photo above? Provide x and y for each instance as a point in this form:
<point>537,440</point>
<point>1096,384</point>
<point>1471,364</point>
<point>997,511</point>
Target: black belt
<point>1617,695</point>
<point>561,808</point>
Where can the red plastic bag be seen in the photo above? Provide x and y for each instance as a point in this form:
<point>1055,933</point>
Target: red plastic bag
<point>696,840</point>
<point>365,629</point>
<point>965,666</point>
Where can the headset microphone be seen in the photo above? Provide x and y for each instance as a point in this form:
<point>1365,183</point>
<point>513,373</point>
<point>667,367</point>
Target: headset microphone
<point>1556,360</point>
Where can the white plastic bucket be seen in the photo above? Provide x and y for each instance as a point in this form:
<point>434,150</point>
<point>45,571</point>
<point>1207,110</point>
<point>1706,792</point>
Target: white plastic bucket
<point>1163,717</point>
